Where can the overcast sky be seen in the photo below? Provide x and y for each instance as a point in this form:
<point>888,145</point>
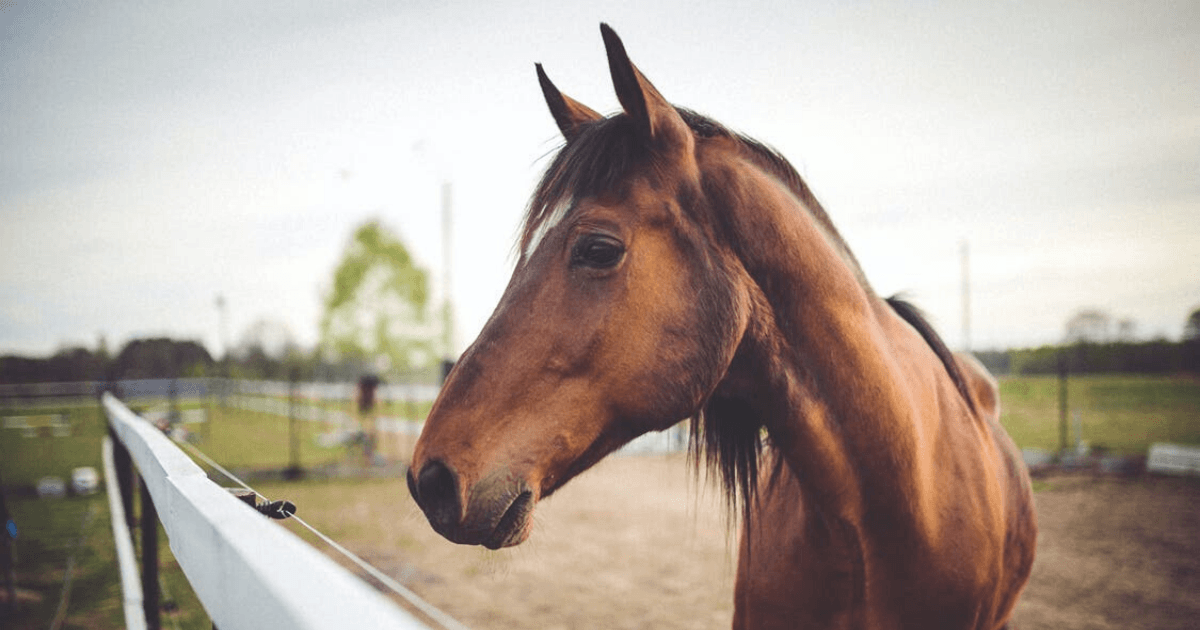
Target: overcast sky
<point>153,157</point>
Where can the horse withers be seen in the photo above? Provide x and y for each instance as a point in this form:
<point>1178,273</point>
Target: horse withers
<point>669,269</point>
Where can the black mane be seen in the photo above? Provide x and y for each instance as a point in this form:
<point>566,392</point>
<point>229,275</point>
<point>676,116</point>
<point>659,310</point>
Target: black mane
<point>598,160</point>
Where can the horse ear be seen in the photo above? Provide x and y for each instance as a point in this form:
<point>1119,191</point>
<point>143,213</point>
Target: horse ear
<point>569,113</point>
<point>654,116</point>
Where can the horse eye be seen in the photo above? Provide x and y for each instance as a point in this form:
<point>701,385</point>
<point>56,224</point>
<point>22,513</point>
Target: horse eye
<point>597,252</point>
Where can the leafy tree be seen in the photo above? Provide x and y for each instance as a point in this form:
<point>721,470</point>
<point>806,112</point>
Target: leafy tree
<point>377,310</point>
<point>1191,328</point>
<point>1190,346</point>
<point>160,358</point>
<point>1088,325</point>
<point>264,349</point>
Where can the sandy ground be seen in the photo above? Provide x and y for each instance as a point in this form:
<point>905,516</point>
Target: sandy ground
<point>1115,553</point>
<point>638,543</point>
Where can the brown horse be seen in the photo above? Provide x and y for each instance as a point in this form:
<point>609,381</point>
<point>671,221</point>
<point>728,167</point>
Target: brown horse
<point>669,269</point>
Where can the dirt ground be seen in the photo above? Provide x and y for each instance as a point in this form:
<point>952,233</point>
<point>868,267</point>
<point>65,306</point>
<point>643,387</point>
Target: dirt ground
<point>1115,553</point>
<point>637,542</point>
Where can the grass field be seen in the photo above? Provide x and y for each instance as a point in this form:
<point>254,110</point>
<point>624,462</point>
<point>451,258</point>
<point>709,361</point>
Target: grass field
<point>51,530</point>
<point>54,532</point>
<point>1123,413</point>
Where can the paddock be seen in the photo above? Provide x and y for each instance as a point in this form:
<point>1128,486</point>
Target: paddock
<point>639,543</point>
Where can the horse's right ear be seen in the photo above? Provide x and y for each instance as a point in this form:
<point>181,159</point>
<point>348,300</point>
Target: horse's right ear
<point>653,116</point>
<point>570,114</point>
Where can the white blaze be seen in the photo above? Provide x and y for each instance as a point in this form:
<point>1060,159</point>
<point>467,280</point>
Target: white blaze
<point>556,216</point>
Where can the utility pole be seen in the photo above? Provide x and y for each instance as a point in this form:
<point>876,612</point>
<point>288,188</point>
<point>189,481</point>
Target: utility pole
<point>966,297</point>
<point>223,362</point>
<point>447,341</point>
<point>221,326</point>
<point>447,308</point>
<point>447,314</point>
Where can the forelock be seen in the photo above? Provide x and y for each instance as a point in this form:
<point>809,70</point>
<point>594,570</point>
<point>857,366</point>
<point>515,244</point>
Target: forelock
<point>599,160</point>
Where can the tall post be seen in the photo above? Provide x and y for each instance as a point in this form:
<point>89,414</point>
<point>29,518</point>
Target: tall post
<point>447,308</point>
<point>1063,371</point>
<point>124,467</point>
<point>223,362</point>
<point>966,297</point>
<point>173,402</point>
<point>293,470</point>
<point>149,526</point>
<point>6,556</point>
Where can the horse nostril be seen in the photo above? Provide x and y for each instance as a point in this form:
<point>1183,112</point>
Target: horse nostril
<point>412,486</point>
<point>437,494</point>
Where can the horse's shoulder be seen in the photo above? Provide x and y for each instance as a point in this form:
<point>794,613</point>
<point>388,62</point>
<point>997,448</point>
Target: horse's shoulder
<point>984,387</point>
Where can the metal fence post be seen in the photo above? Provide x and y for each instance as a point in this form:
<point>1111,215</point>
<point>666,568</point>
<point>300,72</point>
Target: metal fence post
<point>294,471</point>
<point>1063,372</point>
<point>9,534</point>
<point>150,593</point>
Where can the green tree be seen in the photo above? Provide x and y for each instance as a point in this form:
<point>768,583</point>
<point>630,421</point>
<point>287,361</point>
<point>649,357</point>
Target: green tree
<point>377,310</point>
<point>1191,328</point>
<point>161,357</point>
<point>1190,346</point>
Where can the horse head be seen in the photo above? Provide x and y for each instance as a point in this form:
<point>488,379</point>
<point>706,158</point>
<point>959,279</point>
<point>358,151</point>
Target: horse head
<point>618,320</point>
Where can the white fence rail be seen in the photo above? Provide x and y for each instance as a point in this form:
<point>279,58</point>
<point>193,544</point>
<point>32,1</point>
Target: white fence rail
<point>1173,459</point>
<point>131,588</point>
<point>247,571</point>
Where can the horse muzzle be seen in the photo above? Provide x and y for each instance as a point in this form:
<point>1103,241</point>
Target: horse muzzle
<point>497,513</point>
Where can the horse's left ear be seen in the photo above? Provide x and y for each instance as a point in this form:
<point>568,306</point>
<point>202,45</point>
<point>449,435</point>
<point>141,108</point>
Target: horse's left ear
<point>570,114</point>
<point>654,116</point>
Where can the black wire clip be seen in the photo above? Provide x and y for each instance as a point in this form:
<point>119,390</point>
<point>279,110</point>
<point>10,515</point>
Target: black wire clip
<point>277,510</point>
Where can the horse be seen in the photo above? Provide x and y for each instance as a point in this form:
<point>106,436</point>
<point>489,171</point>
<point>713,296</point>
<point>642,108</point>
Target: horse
<point>669,268</point>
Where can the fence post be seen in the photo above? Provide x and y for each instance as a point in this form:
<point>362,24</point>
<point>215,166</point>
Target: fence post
<point>293,470</point>
<point>173,404</point>
<point>124,467</point>
<point>6,556</point>
<point>149,559</point>
<point>1063,371</point>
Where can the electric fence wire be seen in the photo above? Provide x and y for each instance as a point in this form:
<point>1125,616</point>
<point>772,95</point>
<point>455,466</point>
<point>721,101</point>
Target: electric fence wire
<point>173,611</point>
<point>429,610</point>
<point>60,614</point>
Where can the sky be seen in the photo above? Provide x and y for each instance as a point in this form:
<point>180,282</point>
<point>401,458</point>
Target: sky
<point>154,156</point>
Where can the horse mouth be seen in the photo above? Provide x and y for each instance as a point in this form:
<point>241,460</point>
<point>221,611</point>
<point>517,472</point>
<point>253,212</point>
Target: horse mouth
<point>512,528</point>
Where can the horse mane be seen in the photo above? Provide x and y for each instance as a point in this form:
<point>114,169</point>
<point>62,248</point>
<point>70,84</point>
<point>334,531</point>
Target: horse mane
<point>598,160</point>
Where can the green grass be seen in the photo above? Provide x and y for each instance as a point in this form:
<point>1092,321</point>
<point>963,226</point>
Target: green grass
<point>24,460</point>
<point>51,527</point>
<point>51,531</point>
<point>1125,414</point>
<point>394,408</point>
<point>249,439</point>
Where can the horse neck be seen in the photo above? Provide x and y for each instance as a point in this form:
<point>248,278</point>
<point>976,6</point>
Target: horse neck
<point>823,358</point>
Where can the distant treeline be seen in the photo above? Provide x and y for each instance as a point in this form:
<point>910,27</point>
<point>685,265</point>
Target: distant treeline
<point>140,358</point>
<point>1145,357</point>
<point>171,358</point>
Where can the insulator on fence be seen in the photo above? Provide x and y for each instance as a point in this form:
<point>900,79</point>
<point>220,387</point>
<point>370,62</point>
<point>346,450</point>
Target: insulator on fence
<point>277,510</point>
